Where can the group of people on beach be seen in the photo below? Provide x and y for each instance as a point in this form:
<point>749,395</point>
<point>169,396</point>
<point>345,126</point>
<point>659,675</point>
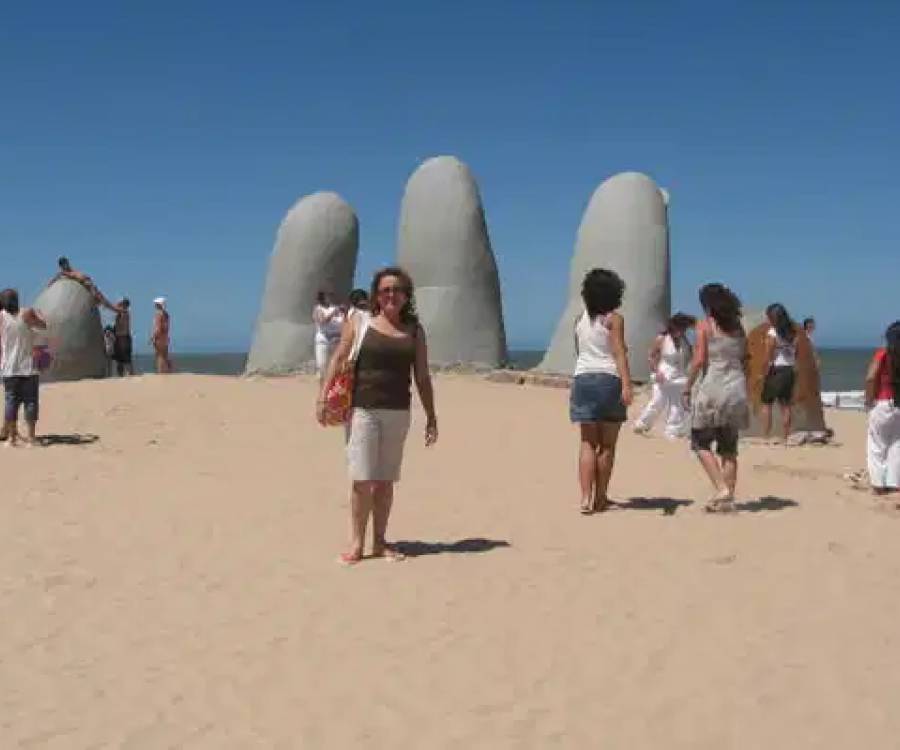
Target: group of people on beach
<point>22,358</point>
<point>702,388</point>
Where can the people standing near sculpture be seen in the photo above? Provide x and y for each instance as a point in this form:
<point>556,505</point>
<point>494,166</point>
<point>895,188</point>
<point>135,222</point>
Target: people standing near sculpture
<point>883,404</point>
<point>329,319</point>
<point>20,376</point>
<point>122,350</point>
<point>781,357</point>
<point>670,357</point>
<point>719,407</point>
<point>109,347</point>
<point>601,389</point>
<point>392,349</point>
<point>160,336</point>
<point>809,326</point>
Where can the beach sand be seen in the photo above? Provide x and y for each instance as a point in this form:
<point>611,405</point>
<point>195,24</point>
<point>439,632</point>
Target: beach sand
<point>174,584</point>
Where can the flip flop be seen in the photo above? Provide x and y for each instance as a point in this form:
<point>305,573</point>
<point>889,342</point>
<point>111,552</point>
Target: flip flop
<point>350,558</point>
<point>389,554</point>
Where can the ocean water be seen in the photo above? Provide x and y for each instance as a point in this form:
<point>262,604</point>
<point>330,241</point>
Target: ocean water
<point>841,369</point>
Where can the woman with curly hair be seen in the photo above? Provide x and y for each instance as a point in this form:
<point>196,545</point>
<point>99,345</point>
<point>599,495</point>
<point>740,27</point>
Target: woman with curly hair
<point>392,351</point>
<point>601,389</point>
<point>719,405</point>
<point>781,357</point>
<point>883,403</point>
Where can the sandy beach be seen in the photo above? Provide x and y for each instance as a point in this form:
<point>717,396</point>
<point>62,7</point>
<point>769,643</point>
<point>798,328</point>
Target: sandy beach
<point>168,579</point>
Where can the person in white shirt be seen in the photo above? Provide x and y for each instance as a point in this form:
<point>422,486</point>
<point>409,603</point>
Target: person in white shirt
<point>329,319</point>
<point>359,304</point>
<point>601,389</point>
<point>670,357</point>
<point>17,368</point>
<point>781,355</point>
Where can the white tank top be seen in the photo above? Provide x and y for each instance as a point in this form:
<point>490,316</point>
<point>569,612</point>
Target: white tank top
<point>16,347</point>
<point>594,346</point>
<point>329,330</point>
<point>673,362</point>
<point>785,351</point>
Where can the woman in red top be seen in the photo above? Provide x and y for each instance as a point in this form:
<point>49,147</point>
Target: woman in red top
<point>883,403</point>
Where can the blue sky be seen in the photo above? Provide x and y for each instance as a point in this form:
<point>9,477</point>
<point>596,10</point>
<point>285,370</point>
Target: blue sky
<point>159,144</point>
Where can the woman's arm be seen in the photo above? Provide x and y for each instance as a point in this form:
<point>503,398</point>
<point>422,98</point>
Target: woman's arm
<point>698,363</point>
<point>620,354</point>
<point>872,379</point>
<point>770,350</point>
<point>655,354</point>
<point>33,318</point>
<point>424,386</point>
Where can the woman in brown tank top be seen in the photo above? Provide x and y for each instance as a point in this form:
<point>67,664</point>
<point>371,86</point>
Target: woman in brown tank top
<point>393,352</point>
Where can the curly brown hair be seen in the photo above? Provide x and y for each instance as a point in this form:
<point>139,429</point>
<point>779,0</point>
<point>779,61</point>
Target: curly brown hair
<point>408,314</point>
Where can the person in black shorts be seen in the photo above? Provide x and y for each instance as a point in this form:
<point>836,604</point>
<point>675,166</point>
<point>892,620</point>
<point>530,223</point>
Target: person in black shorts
<point>123,344</point>
<point>781,355</point>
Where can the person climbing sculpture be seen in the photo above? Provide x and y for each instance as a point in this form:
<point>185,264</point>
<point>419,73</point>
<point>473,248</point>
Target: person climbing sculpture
<point>67,272</point>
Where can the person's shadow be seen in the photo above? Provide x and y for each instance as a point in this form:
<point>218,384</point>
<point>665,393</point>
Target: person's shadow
<point>668,505</point>
<point>765,503</point>
<point>463,546</point>
<point>73,439</point>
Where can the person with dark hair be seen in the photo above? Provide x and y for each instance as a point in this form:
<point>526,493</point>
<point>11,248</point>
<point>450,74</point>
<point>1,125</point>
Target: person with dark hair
<point>781,356</point>
<point>358,303</point>
<point>719,408</point>
<point>123,343</point>
<point>670,356</point>
<point>109,346</point>
<point>601,389</point>
<point>17,368</point>
<point>809,326</point>
<point>161,336</point>
<point>329,319</point>
<point>883,403</point>
<point>66,271</point>
<point>391,350</point>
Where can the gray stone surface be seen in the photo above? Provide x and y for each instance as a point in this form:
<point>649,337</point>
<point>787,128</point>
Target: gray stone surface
<point>316,246</point>
<point>443,242</point>
<point>624,229</point>
<point>74,332</point>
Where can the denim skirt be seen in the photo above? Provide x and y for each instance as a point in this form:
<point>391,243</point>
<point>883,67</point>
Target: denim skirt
<point>596,397</point>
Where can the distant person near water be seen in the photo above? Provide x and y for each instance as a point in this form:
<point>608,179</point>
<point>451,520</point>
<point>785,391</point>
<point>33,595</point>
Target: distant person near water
<point>781,357</point>
<point>109,346</point>
<point>123,343</point>
<point>719,407</point>
<point>17,367</point>
<point>883,403</point>
<point>392,351</point>
<point>601,389</point>
<point>160,336</point>
<point>329,319</point>
<point>809,326</point>
<point>670,357</point>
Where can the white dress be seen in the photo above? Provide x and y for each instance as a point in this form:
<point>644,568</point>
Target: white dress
<point>328,334</point>
<point>670,380</point>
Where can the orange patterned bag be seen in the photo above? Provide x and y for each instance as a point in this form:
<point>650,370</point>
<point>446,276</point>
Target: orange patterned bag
<point>339,393</point>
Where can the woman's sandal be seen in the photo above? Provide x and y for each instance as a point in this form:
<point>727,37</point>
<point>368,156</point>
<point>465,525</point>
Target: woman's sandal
<point>350,558</point>
<point>587,506</point>
<point>390,554</point>
<point>721,502</point>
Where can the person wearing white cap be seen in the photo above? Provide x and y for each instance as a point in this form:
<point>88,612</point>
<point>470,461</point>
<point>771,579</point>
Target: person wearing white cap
<point>159,337</point>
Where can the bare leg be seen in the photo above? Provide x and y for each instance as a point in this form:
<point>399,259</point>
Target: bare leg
<point>729,473</point>
<point>606,459</point>
<point>360,509</point>
<point>11,429</point>
<point>786,418</point>
<point>381,513</point>
<point>767,420</point>
<point>587,464</point>
<point>710,464</point>
<point>31,434</point>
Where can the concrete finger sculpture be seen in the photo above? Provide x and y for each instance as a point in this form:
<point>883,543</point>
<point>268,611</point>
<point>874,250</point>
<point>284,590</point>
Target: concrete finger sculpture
<point>316,248</point>
<point>443,243</point>
<point>74,332</point>
<point>624,229</point>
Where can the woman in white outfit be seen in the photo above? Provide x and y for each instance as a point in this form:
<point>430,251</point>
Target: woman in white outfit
<point>329,320</point>
<point>670,357</point>
<point>883,403</point>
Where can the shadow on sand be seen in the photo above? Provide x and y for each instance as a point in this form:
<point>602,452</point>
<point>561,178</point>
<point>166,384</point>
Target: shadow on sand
<point>463,546</point>
<point>668,505</point>
<point>764,504</point>
<point>74,439</point>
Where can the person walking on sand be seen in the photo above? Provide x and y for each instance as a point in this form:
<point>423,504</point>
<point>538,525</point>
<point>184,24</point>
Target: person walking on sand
<point>20,377</point>
<point>391,348</point>
<point>329,319</point>
<point>883,404</point>
<point>670,357</point>
<point>781,356</point>
<point>601,389</point>
<point>160,337</point>
<point>719,407</point>
<point>123,344</point>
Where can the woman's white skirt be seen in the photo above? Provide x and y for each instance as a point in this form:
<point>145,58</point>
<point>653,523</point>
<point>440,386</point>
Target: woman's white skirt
<point>883,445</point>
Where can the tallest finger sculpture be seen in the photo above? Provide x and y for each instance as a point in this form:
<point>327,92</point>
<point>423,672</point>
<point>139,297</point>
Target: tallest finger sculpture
<point>443,243</point>
<point>624,229</point>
